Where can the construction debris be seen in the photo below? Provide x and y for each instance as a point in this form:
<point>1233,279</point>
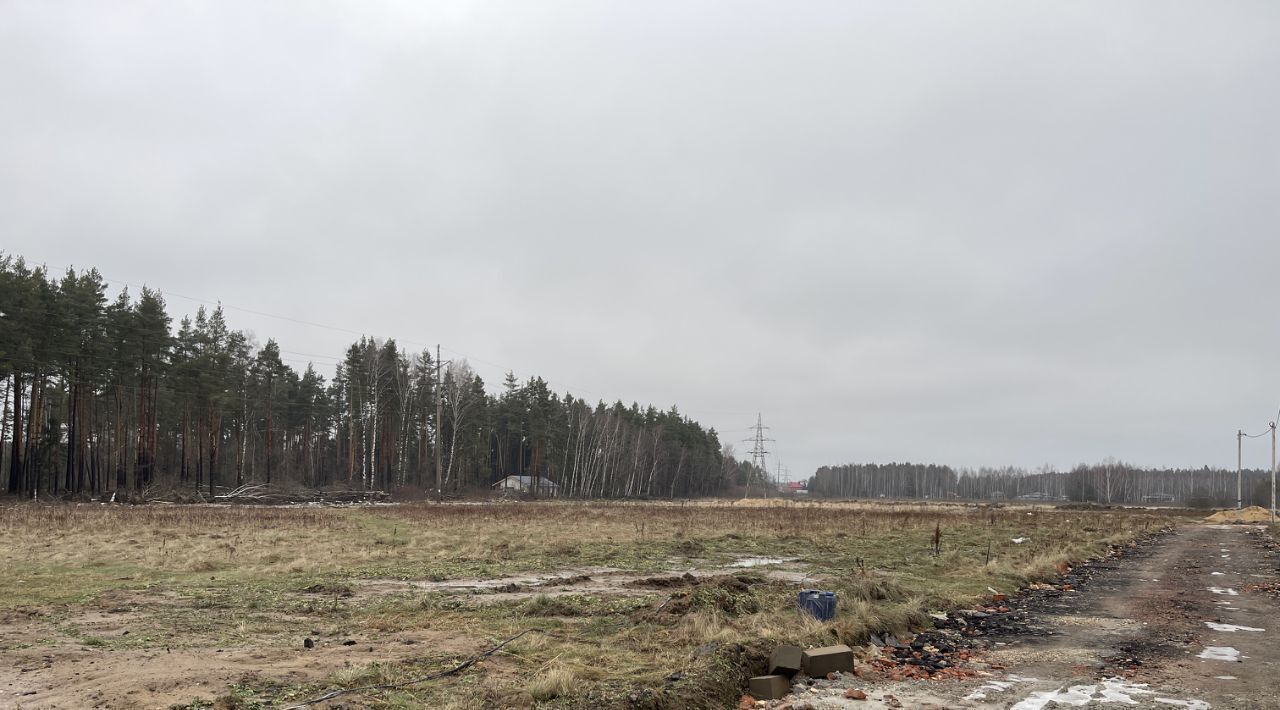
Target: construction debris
<point>818,662</point>
<point>258,494</point>
<point>786,660</point>
<point>949,651</point>
<point>769,687</point>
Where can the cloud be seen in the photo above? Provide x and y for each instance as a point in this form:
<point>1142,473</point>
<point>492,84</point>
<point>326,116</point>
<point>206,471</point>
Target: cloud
<point>977,234</point>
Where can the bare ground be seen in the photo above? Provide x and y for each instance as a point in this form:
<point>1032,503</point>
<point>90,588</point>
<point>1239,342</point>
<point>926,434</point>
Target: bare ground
<point>1189,622</point>
<point>364,589</point>
<point>69,675</point>
<point>46,668</point>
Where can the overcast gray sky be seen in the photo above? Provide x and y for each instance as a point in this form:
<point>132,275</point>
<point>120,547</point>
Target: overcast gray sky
<point>957,232</point>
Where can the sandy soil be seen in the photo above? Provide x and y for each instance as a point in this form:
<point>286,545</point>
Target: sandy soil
<point>69,675</point>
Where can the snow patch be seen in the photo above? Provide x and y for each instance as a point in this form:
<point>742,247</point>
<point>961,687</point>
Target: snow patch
<point>757,561</point>
<point>1190,703</point>
<point>998,686</point>
<point>1230,627</point>
<point>1219,653</point>
<point>1218,574</point>
<point>1224,590</point>
<point>1111,690</point>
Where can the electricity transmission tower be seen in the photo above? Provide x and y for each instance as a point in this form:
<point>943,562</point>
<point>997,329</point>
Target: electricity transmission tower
<point>757,453</point>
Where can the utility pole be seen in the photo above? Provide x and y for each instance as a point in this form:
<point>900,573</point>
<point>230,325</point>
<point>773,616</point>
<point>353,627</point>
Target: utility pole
<point>1273,473</point>
<point>439,422</point>
<point>1239,461</point>
<point>757,453</point>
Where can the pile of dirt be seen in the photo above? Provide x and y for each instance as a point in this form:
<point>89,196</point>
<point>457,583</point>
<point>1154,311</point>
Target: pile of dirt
<point>1252,514</point>
<point>683,580</point>
<point>730,594</point>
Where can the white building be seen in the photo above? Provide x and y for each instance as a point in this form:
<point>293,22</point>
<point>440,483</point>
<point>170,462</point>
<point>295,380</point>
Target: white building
<point>524,484</point>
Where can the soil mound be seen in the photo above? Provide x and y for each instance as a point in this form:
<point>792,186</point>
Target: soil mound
<point>1252,514</point>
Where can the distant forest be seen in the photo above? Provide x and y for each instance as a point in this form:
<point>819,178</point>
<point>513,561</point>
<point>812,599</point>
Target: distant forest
<point>106,395</point>
<point>1109,482</point>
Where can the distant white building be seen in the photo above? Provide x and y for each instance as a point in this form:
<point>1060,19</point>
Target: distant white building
<point>524,484</point>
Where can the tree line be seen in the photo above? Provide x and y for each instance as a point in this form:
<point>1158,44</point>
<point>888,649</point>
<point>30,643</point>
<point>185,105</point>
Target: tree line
<point>1108,482</point>
<point>107,395</point>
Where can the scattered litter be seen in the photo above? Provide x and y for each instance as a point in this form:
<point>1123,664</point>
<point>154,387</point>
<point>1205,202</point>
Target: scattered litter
<point>1230,627</point>
<point>1219,653</point>
<point>1269,588</point>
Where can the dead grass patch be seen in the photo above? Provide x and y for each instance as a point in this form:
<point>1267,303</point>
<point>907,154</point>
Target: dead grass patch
<point>243,578</point>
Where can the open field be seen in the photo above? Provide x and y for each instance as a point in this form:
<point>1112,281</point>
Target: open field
<point>625,605</point>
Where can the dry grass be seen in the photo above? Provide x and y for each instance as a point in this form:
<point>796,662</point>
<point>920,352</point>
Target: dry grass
<point>555,682</point>
<point>212,576</point>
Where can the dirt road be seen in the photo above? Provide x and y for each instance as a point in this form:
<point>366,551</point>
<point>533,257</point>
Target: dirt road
<point>1191,621</point>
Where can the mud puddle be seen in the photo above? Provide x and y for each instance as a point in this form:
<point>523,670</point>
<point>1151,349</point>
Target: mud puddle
<point>602,581</point>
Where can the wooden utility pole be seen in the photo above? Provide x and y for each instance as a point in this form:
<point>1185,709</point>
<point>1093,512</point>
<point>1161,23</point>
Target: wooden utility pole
<point>1273,473</point>
<point>439,423</point>
<point>1239,462</point>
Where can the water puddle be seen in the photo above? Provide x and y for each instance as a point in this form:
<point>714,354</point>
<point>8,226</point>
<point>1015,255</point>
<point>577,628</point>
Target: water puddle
<point>1230,627</point>
<point>603,581</point>
<point>758,561</point>
<point>1219,653</point>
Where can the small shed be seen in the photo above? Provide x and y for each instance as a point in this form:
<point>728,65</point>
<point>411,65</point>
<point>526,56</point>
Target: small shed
<point>524,484</point>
